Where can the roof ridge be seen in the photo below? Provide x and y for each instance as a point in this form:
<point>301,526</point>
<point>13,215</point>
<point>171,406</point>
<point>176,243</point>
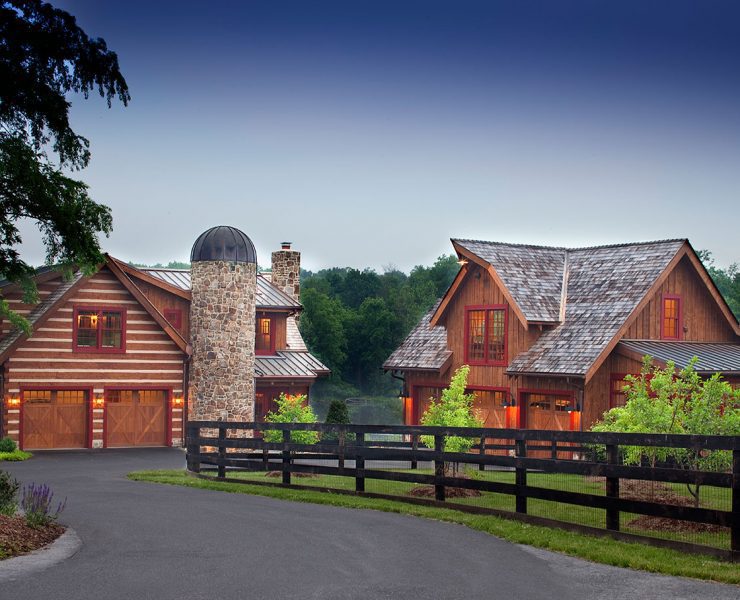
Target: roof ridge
<point>572,248</point>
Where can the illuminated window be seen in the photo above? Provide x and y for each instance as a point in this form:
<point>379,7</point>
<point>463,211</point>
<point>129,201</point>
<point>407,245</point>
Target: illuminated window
<point>671,326</point>
<point>264,342</point>
<point>486,336</point>
<point>99,329</point>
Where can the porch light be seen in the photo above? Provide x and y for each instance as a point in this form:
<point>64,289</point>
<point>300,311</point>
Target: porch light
<point>14,401</point>
<point>98,401</point>
<point>177,401</point>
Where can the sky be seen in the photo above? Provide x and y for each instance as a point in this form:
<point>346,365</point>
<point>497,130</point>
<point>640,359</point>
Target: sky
<point>368,133</point>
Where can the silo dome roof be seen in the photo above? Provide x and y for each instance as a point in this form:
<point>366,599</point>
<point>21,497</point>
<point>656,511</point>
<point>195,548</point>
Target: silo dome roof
<point>224,243</point>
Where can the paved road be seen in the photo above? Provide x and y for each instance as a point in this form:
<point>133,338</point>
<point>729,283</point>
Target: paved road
<point>144,541</point>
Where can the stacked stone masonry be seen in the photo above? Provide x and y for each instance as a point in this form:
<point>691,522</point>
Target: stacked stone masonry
<point>286,270</point>
<point>222,318</point>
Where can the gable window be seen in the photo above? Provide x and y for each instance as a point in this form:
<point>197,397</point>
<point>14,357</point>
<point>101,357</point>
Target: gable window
<point>99,329</point>
<point>485,335</point>
<point>174,316</point>
<point>264,342</point>
<point>671,318</point>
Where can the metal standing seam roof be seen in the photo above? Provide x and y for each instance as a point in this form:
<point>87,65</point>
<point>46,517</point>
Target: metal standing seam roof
<point>713,357</point>
<point>424,348</point>
<point>268,296</point>
<point>289,364</point>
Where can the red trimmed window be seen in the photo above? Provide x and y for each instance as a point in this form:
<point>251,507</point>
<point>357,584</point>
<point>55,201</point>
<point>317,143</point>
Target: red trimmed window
<point>671,321</point>
<point>99,329</point>
<point>485,335</point>
<point>174,316</point>
<point>264,342</point>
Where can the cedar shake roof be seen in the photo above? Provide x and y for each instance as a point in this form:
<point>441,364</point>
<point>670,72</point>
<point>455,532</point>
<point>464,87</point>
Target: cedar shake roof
<point>713,357</point>
<point>532,274</point>
<point>425,348</point>
<point>604,285</point>
<point>268,296</point>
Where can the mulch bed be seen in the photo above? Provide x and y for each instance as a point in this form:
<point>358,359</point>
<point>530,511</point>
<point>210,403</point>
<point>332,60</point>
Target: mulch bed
<point>427,491</point>
<point>18,538</point>
<point>299,475</point>
<point>659,493</point>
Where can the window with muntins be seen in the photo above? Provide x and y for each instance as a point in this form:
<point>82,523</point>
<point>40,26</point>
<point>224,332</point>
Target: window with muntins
<point>671,324</point>
<point>264,341</point>
<point>99,329</point>
<point>486,335</point>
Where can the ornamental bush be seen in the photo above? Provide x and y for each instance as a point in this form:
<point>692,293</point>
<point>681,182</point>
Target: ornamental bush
<point>37,503</point>
<point>7,445</point>
<point>291,409</point>
<point>338,415</point>
<point>8,494</point>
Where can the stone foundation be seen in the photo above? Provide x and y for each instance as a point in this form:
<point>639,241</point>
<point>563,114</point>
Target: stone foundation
<point>222,322</point>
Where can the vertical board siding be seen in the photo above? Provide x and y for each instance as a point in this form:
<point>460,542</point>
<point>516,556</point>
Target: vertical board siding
<point>163,300</point>
<point>47,359</point>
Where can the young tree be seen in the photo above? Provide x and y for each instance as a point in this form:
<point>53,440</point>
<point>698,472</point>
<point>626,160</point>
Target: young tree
<point>667,401</point>
<point>454,409</point>
<point>44,56</point>
<point>338,414</point>
<point>291,409</point>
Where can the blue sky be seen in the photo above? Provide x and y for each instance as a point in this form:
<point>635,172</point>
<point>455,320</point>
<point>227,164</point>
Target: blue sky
<point>369,133</point>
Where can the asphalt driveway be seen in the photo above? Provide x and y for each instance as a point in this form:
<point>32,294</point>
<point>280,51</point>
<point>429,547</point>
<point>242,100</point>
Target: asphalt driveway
<point>143,540</point>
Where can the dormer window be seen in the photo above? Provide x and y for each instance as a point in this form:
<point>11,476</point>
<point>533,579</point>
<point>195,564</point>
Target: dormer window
<point>485,335</point>
<point>264,342</point>
<point>671,319</point>
<point>99,329</point>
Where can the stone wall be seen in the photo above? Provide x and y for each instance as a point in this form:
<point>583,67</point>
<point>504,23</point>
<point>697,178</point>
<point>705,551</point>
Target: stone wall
<point>286,272</point>
<point>222,322</point>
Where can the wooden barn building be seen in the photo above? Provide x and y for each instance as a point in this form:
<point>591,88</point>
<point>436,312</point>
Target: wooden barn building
<point>107,362</point>
<point>550,333</point>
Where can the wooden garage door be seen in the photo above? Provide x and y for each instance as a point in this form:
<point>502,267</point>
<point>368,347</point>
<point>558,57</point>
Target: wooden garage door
<point>55,419</point>
<point>136,418</point>
<point>550,412</point>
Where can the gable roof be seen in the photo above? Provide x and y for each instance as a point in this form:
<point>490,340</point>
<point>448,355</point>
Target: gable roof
<point>268,296</point>
<point>424,349</point>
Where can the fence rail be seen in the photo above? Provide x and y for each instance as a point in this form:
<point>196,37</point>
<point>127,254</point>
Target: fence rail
<point>233,448</point>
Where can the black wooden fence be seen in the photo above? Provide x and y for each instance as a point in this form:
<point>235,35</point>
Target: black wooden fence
<point>221,449</point>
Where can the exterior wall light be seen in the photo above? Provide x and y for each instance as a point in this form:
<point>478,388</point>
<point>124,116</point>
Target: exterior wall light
<point>177,401</point>
<point>98,401</point>
<point>14,401</point>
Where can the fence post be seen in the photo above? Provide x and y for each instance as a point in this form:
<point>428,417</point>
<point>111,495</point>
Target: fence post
<point>342,436</point>
<point>554,449</point>
<point>359,463</point>
<point>735,527</point>
<point>414,448</point>
<point>221,452</point>
<point>193,448</point>
<point>286,457</point>
<point>612,488</point>
<point>482,466</point>
<point>521,477</point>
<point>265,452</point>
<point>439,468</point>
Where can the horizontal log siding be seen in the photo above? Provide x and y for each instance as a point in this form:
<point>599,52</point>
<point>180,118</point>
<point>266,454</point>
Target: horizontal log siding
<point>47,358</point>
<point>700,313</point>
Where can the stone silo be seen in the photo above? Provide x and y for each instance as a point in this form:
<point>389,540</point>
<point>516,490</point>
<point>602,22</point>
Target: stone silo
<point>222,321</point>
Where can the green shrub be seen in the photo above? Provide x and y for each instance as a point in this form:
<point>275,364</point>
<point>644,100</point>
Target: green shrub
<point>7,445</point>
<point>338,414</point>
<point>291,409</point>
<point>8,494</point>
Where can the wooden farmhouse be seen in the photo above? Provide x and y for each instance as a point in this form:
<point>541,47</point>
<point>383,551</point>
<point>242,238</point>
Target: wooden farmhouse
<point>551,333</point>
<point>107,363</point>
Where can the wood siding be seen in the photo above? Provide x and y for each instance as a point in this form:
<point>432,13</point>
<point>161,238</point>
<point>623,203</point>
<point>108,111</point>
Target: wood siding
<point>702,319</point>
<point>164,300</point>
<point>47,359</point>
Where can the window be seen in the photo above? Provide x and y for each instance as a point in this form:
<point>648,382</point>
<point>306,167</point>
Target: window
<point>617,397</point>
<point>486,335</point>
<point>174,316</point>
<point>264,342</point>
<point>671,323</point>
<point>99,329</point>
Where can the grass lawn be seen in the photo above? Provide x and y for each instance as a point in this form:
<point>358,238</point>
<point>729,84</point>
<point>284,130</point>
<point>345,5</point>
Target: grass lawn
<point>597,549</point>
<point>15,455</point>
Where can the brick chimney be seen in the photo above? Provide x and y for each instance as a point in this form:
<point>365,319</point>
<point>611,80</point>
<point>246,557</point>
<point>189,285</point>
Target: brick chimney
<point>286,271</point>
